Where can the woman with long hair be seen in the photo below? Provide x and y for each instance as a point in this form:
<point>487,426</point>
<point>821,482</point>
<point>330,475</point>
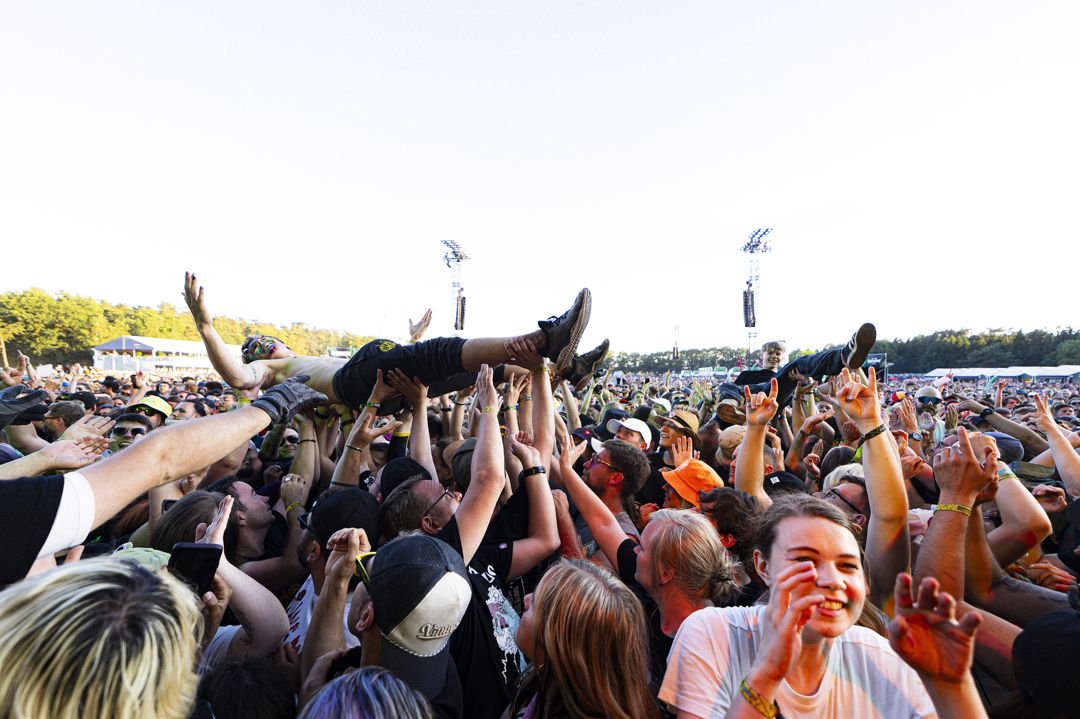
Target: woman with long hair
<point>584,634</point>
<point>802,653</point>
<point>679,566</point>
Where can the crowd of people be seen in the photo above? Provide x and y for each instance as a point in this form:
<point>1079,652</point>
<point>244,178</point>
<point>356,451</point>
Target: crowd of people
<point>496,527</point>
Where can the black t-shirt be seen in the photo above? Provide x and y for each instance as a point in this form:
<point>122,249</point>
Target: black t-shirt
<point>754,376</point>
<point>659,643</point>
<point>488,661</point>
<point>652,490</point>
<point>30,505</point>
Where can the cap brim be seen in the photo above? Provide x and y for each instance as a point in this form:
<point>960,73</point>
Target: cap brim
<point>427,675</point>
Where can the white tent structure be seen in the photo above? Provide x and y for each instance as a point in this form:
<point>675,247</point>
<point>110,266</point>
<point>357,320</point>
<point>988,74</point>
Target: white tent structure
<point>131,353</point>
<point>1059,372</point>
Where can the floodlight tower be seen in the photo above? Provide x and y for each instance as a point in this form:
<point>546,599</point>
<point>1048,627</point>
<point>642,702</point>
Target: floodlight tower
<point>754,248</point>
<point>453,258</point>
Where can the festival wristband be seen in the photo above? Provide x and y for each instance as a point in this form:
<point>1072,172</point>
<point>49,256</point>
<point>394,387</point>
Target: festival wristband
<point>294,505</point>
<point>489,410</point>
<point>871,434</point>
<point>305,440</point>
<point>531,471</point>
<point>966,511</point>
<point>526,398</point>
<point>764,708</point>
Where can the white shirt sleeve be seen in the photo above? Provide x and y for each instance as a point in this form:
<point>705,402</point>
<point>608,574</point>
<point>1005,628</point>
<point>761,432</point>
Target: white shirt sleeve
<point>74,517</point>
<point>217,650</point>
<point>694,681</point>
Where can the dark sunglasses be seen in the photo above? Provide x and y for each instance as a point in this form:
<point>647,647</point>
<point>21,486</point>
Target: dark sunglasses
<point>144,410</point>
<point>361,571</point>
<point>292,440</point>
<point>930,400</point>
<point>126,432</point>
<point>595,459</point>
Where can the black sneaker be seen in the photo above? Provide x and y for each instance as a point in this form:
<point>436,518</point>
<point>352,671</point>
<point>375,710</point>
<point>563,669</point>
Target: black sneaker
<point>562,334</point>
<point>585,366</point>
<point>860,345</point>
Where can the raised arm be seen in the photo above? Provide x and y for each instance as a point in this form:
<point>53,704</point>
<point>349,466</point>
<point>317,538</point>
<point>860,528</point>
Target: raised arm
<point>62,455</point>
<point>416,394</point>
<point>231,369</point>
<point>543,532</point>
<point>1066,459</point>
<point>601,522</point>
<point>888,546</point>
<point>750,467</point>
<point>487,476</point>
<point>1024,523</point>
<point>325,633</point>
<point>1031,440</point>
<point>178,450</point>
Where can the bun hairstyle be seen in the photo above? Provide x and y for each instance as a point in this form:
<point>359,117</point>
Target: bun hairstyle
<point>686,544</point>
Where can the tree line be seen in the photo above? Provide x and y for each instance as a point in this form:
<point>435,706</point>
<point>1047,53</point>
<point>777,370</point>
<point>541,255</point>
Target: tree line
<point>64,328</point>
<point>944,348</point>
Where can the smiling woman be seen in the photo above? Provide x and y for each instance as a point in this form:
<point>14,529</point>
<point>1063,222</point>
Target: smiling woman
<point>803,650</point>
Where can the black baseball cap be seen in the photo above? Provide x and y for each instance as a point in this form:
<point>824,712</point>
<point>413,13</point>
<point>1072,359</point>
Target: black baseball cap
<point>341,509</point>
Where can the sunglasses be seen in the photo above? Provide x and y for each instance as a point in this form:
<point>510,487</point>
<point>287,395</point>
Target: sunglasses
<point>292,440</point>
<point>144,410</point>
<point>125,432</point>
<point>844,500</point>
<point>930,400</point>
<point>361,570</point>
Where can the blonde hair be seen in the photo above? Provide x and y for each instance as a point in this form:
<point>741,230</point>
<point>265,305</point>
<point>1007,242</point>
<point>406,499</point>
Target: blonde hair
<point>590,637</point>
<point>103,638</point>
<point>842,474</point>
<point>685,543</point>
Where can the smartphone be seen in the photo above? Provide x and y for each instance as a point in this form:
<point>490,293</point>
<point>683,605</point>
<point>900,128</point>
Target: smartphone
<point>195,564</point>
<point>349,660</point>
<point>166,503</point>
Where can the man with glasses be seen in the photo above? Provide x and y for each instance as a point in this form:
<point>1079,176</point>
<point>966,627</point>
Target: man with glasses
<point>154,408</point>
<point>615,475</point>
<point>930,407</point>
<point>130,427</point>
<point>59,417</point>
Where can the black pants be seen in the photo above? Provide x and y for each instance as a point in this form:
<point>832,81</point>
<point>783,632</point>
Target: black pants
<point>435,362</point>
<point>829,362</point>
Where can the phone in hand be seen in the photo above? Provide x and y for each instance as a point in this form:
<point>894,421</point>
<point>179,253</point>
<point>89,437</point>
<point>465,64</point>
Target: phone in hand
<point>195,564</point>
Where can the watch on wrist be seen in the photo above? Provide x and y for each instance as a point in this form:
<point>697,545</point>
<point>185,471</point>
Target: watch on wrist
<point>917,436</point>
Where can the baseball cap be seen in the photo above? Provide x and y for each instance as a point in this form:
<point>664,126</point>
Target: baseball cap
<point>398,471</point>
<point>784,483</point>
<point>691,477</point>
<point>661,403</point>
<point>680,419</point>
<point>461,463</point>
<point>420,591</point>
<point>155,403</point>
<point>589,434</point>
<point>928,391</point>
<point>344,508</point>
<point>610,414</point>
<point>632,424</point>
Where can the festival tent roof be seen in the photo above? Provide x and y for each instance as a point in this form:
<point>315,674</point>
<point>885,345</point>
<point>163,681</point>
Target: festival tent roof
<point>136,343</point>
<point>1058,371</point>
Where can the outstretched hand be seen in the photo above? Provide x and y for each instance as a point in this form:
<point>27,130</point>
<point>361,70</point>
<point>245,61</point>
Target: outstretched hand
<point>417,329</point>
<point>859,401</point>
<point>486,396</point>
<point>761,407</point>
<point>523,353</point>
<point>195,298</point>
<point>521,444</point>
<point>683,450</point>
<point>926,633</point>
<point>89,425</point>
<point>569,453</point>
<point>412,389</point>
<point>960,473</point>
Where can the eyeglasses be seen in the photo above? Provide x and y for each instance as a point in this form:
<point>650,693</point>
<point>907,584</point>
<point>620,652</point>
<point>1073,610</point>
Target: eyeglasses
<point>595,459</point>
<point>292,440</point>
<point>361,570</point>
<point>844,500</point>
<point>127,432</point>
<point>142,409</point>
<point>930,400</point>
<point>446,493</point>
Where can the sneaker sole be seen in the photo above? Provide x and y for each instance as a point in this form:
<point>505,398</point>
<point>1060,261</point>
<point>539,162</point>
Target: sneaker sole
<point>865,338</point>
<point>584,381</point>
<point>566,357</point>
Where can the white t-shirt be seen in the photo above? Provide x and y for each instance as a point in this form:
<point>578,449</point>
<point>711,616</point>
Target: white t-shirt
<point>299,612</point>
<point>715,649</point>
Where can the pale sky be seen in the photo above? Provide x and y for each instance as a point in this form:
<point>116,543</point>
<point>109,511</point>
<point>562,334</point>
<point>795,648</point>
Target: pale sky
<point>306,159</point>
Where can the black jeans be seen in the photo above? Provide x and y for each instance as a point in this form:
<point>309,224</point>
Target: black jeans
<point>829,362</point>
<point>435,362</point>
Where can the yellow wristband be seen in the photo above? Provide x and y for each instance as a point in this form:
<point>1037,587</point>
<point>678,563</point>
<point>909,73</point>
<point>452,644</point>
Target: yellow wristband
<point>294,505</point>
<point>966,511</point>
<point>489,410</point>
<point>763,707</point>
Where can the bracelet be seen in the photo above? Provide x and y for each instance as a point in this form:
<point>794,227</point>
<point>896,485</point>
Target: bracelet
<point>243,400</point>
<point>355,449</point>
<point>966,511</point>
<point>1006,473</point>
<point>489,410</point>
<point>445,409</point>
<point>509,407</point>
<point>764,708</point>
<point>305,440</point>
<point>376,405</point>
<point>340,484</point>
<point>294,505</point>
<point>526,398</point>
<point>542,370</point>
<point>531,471</point>
<point>461,404</point>
<point>401,434</point>
<point>871,434</point>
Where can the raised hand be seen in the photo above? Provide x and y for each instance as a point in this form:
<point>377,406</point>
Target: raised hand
<point>788,611</point>
<point>859,401</point>
<point>523,353</point>
<point>811,422</point>
<point>89,425</point>
<point>761,407</point>
<point>345,546</point>
<point>569,453</point>
<point>683,450</point>
<point>486,396</point>
<point>417,330</point>
<point>195,298</point>
<point>926,634</point>
<point>521,444</point>
<point>960,473</point>
<point>363,434</point>
<point>214,533</point>
<point>75,453</point>
<point>413,390</point>
<point>292,489</point>
<point>1044,419</point>
<point>1050,498</point>
<point>515,387</point>
<point>952,418</point>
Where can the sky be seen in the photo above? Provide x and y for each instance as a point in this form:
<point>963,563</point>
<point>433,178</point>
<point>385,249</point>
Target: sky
<point>306,159</point>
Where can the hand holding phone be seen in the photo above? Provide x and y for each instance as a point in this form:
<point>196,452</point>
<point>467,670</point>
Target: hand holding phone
<point>196,564</point>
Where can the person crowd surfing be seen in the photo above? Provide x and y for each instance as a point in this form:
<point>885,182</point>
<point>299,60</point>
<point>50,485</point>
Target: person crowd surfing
<point>493,528</point>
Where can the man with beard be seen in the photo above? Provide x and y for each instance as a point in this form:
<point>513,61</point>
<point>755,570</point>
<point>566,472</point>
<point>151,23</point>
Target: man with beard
<point>339,509</point>
<point>59,417</point>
